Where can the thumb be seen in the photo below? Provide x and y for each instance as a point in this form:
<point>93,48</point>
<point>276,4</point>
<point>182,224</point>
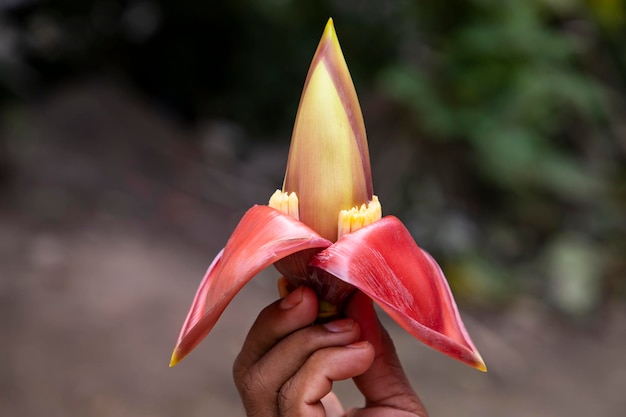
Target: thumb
<point>384,384</point>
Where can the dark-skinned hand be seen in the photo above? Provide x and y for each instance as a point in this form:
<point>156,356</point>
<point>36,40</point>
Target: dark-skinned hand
<point>287,366</point>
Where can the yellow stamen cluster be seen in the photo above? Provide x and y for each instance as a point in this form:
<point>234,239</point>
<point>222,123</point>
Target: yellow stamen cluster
<point>286,203</point>
<point>357,217</point>
<point>327,311</point>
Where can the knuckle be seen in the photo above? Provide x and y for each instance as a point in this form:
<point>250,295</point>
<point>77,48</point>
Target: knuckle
<point>255,395</point>
<point>318,357</point>
<point>238,368</point>
<point>253,383</point>
<point>286,402</point>
<point>250,381</point>
<point>243,362</point>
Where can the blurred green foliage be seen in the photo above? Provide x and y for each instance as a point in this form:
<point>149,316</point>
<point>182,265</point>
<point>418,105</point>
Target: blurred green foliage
<point>515,111</point>
<point>534,91</point>
<point>509,84</point>
<point>519,83</point>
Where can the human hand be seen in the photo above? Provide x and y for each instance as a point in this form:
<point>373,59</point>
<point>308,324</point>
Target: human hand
<point>287,366</point>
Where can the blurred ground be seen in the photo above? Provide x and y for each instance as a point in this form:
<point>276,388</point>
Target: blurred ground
<point>107,221</point>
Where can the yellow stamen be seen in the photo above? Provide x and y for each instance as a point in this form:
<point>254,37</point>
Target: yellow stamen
<point>286,203</point>
<point>357,217</point>
<point>327,310</point>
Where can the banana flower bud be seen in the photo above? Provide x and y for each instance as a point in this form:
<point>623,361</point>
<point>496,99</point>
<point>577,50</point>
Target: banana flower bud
<point>324,229</point>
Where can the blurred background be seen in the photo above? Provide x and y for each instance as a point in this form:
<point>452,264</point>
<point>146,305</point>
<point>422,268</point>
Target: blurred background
<point>134,134</point>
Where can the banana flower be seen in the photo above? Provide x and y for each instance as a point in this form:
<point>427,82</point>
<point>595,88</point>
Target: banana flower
<point>324,229</point>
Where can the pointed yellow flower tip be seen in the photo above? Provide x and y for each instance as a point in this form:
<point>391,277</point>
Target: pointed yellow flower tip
<point>327,197</point>
<point>175,358</point>
<point>328,166</point>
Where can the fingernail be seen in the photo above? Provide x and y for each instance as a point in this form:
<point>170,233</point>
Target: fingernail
<point>292,300</point>
<point>358,345</point>
<point>339,326</point>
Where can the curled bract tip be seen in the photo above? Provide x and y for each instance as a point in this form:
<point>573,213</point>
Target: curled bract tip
<point>174,359</point>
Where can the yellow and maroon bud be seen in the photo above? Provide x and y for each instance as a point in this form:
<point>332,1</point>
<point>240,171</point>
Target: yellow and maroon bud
<point>327,197</point>
<point>328,167</point>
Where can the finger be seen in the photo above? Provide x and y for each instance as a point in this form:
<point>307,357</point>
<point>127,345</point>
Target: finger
<point>288,356</point>
<point>302,394</point>
<point>384,384</point>
<point>332,405</point>
<point>266,361</point>
<point>293,312</point>
<point>281,318</point>
<point>260,384</point>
